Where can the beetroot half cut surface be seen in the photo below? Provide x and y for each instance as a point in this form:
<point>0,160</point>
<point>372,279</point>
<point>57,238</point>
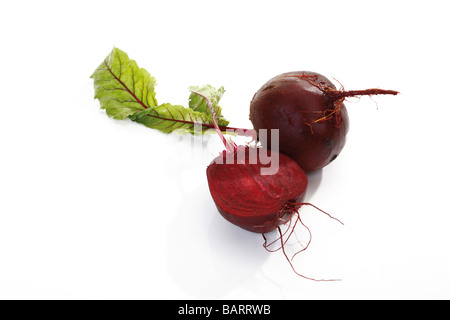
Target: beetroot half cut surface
<point>249,199</point>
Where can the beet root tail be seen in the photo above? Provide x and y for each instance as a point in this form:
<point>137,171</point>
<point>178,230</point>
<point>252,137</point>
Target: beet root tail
<point>284,237</point>
<point>339,95</point>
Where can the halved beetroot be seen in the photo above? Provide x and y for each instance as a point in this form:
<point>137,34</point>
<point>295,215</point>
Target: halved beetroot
<point>250,200</point>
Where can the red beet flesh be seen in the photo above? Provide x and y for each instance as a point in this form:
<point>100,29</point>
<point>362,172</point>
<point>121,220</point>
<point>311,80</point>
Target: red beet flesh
<point>255,202</point>
<point>309,112</point>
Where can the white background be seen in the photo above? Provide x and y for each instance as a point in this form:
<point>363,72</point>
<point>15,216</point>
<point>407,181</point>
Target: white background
<point>95,208</point>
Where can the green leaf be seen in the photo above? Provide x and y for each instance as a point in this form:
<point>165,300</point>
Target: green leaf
<point>122,87</point>
<point>198,103</point>
<point>127,91</point>
<point>176,119</point>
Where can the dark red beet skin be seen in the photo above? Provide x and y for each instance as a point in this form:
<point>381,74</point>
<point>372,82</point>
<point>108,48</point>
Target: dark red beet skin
<point>310,114</point>
<point>255,202</point>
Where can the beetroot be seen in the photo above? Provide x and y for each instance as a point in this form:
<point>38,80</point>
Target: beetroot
<point>248,199</point>
<point>310,114</point>
<point>255,199</point>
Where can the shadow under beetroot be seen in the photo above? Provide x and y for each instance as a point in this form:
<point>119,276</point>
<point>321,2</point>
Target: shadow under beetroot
<point>314,180</point>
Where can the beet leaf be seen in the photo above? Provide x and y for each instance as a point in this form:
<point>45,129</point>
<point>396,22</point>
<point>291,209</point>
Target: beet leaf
<point>127,91</point>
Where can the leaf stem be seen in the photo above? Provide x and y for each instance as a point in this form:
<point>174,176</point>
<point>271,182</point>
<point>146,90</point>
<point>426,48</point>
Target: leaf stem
<point>229,145</point>
<point>238,131</point>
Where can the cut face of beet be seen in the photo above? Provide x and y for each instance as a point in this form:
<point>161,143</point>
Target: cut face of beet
<point>250,200</point>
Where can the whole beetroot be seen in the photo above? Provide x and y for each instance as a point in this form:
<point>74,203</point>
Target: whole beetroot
<point>310,114</point>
